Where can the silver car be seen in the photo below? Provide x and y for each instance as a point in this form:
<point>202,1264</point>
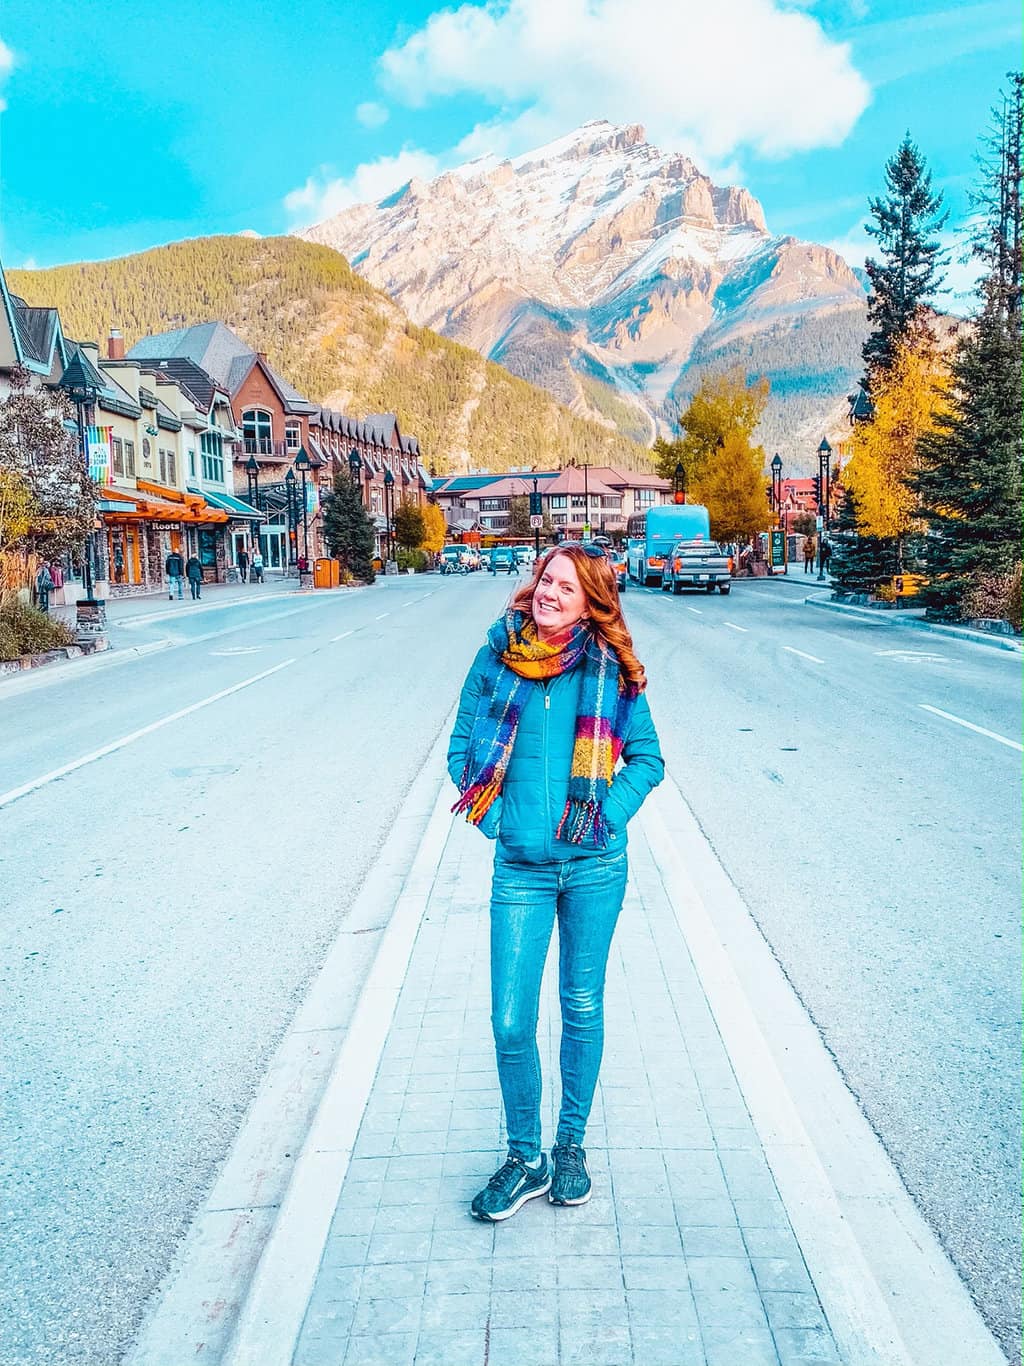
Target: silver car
<point>696,564</point>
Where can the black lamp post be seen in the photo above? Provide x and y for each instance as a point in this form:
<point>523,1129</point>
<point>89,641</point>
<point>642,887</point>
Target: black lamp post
<point>252,475</point>
<point>355,469</point>
<point>824,473</point>
<point>776,484</point>
<point>303,466</point>
<point>82,389</point>
<point>679,483</point>
<point>536,512</point>
<point>293,521</point>
<point>389,503</point>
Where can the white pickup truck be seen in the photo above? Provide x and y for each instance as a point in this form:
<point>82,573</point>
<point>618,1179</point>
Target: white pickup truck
<point>697,564</point>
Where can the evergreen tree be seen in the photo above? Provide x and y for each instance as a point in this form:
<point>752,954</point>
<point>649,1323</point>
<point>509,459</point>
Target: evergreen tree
<point>859,563</point>
<point>971,474</point>
<point>348,530</point>
<point>906,220</point>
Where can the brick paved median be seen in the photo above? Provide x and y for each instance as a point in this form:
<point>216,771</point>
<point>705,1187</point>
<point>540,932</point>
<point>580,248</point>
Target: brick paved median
<point>684,1256</point>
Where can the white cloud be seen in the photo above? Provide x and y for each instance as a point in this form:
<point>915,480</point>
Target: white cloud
<point>6,67</point>
<point>322,197</point>
<point>960,277</point>
<point>711,80</point>
<point>371,114</point>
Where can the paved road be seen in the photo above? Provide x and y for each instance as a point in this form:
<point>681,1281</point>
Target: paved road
<point>165,904</point>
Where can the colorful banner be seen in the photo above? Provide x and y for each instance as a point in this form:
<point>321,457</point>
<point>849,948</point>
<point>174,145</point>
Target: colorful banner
<point>101,465</point>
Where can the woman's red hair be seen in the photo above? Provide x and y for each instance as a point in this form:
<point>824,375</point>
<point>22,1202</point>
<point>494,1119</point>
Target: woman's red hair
<point>597,579</point>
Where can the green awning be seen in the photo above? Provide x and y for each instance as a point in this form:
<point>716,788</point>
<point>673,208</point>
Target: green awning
<point>225,502</point>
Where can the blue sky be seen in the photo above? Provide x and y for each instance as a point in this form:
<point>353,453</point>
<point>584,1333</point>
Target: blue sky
<point>129,126</point>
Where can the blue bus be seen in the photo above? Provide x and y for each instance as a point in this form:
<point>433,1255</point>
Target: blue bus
<point>652,534</point>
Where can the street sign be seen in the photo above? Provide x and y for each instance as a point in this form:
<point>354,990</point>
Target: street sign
<point>536,522</point>
<point>819,522</point>
<point>777,548</point>
<point>586,531</point>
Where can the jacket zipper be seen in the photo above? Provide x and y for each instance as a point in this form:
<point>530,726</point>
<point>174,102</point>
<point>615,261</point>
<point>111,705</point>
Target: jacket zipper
<point>547,784</point>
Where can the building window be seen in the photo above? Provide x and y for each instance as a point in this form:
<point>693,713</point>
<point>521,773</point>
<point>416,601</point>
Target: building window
<point>212,447</point>
<point>172,467</point>
<point>118,450</point>
<point>559,519</point>
<point>644,498</point>
<point>129,458</point>
<point>257,432</point>
<point>558,500</point>
<point>292,435</point>
<point>162,457</point>
<point>578,501</point>
<point>494,505</point>
<point>191,464</point>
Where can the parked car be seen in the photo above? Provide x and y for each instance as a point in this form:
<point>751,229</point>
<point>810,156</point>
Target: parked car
<point>696,564</point>
<point>617,560</point>
<point>503,559</point>
<point>525,554</point>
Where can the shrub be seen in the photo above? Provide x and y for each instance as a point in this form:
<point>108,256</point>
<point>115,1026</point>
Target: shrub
<point>24,630</point>
<point>995,596</point>
<point>413,559</point>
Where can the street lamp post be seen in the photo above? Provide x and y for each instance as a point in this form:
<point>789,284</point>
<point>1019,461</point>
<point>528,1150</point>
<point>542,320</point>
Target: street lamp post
<point>252,475</point>
<point>389,503</point>
<point>679,483</point>
<point>83,392</point>
<point>586,503</point>
<point>303,466</point>
<point>824,473</point>
<point>535,501</point>
<point>293,520</point>
<point>355,469</point>
<point>776,483</point>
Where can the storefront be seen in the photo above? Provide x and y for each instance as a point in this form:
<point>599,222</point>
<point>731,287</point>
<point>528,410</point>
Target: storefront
<point>139,531</point>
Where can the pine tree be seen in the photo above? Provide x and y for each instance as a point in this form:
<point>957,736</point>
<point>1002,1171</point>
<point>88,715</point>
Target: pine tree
<point>905,279</point>
<point>971,475</point>
<point>348,531</point>
<point>859,563</point>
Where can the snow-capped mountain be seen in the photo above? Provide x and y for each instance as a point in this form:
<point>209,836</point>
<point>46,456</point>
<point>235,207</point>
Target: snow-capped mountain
<point>613,273</point>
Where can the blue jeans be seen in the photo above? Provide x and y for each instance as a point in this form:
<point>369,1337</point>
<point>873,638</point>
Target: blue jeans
<point>586,895</point>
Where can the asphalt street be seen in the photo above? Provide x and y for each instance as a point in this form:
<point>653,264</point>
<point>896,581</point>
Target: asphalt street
<point>183,834</point>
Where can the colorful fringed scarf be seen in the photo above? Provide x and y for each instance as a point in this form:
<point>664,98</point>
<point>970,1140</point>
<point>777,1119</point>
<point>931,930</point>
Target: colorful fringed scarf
<point>606,703</point>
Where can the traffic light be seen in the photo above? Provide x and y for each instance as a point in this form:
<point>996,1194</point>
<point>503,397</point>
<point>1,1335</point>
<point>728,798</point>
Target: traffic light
<point>535,505</point>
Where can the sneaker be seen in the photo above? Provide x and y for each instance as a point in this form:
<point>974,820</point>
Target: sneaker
<point>509,1189</point>
<point>571,1183</point>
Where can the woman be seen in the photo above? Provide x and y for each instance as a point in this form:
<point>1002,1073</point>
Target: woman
<point>551,703</point>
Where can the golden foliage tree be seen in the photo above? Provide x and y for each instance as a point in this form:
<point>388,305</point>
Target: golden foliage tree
<point>733,488</point>
<point>908,398</point>
<point>724,406</point>
<point>17,509</point>
<point>435,529</point>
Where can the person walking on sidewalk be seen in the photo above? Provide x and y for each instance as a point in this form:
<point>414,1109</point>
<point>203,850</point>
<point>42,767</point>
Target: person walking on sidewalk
<point>256,569</point>
<point>174,568</point>
<point>810,550</point>
<point>194,574</point>
<point>550,705</point>
<point>243,565</point>
<point>44,586</point>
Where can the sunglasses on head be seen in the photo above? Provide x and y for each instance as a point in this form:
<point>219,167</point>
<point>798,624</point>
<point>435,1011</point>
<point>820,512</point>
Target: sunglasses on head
<point>594,551</point>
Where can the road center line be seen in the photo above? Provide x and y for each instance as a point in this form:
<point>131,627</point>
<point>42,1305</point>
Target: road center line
<point>410,603</point>
<point>803,654</point>
<point>341,637</point>
<point>696,611</point>
<point>992,735</point>
<point>12,796</point>
<point>382,616</point>
<point>732,625</point>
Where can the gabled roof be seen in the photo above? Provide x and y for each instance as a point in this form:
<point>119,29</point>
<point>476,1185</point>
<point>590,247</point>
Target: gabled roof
<point>195,382</point>
<point>36,335</point>
<point>80,373</point>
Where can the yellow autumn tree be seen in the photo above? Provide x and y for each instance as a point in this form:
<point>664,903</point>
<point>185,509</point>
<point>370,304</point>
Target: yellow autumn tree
<point>17,508</point>
<point>435,530</point>
<point>908,399</point>
<point>733,488</point>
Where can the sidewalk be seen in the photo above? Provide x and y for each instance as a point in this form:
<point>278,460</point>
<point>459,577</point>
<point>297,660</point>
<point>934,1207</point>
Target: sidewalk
<point>687,1255</point>
<point>151,606</point>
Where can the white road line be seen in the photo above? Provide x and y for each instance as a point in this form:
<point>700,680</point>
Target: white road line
<point>12,796</point>
<point>803,654</point>
<point>341,637</point>
<point>382,616</point>
<point>411,603</point>
<point>734,627</point>
<point>992,735</point>
<point>696,611</point>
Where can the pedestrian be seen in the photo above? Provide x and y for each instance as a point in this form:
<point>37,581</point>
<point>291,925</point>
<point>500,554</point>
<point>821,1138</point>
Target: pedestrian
<point>194,574</point>
<point>809,553</point>
<point>257,565</point>
<point>174,567</point>
<point>826,554</point>
<point>44,585</point>
<point>243,564</point>
<point>551,703</point>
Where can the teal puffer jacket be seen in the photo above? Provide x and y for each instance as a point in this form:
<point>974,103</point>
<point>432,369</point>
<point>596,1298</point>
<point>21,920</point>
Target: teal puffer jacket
<point>524,817</point>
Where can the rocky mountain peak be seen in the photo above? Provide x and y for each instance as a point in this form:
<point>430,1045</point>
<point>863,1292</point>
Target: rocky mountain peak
<point>597,264</point>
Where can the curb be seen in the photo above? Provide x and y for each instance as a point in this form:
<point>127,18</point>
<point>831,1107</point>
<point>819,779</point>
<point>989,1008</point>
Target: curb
<point>939,628</point>
<point>27,680</point>
<point>891,1295</point>
<point>241,1280</point>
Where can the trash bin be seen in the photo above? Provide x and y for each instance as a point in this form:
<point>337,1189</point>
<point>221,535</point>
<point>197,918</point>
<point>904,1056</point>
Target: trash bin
<point>325,573</point>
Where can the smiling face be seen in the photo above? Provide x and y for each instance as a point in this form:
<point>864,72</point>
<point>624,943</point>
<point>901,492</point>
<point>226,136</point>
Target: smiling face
<point>558,600</point>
